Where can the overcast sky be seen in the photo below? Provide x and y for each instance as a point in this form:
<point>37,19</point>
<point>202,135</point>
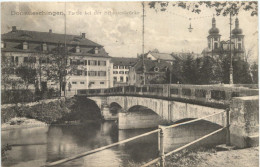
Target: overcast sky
<point>121,34</point>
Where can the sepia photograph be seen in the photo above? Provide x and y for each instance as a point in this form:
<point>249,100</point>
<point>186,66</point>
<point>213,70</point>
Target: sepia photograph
<point>129,84</point>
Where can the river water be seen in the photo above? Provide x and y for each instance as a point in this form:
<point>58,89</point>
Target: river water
<point>36,146</point>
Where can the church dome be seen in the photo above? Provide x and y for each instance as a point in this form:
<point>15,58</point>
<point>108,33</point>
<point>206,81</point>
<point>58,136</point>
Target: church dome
<point>237,30</point>
<point>214,29</point>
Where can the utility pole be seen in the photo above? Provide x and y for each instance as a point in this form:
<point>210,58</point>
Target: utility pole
<point>231,67</point>
<point>143,47</point>
<point>65,49</point>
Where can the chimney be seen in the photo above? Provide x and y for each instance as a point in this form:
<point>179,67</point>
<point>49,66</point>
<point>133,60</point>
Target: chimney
<point>13,28</point>
<point>50,30</point>
<point>83,35</point>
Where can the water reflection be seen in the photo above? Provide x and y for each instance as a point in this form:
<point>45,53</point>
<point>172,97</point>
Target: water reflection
<point>35,146</point>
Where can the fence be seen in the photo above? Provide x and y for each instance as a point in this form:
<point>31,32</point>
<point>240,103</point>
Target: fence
<point>161,140</point>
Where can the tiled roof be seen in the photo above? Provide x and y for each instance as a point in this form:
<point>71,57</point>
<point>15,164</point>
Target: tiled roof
<point>151,64</point>
<point>162,56</point>
<point>47,37</point>
<point>124,61</point>
<point>14,43</point>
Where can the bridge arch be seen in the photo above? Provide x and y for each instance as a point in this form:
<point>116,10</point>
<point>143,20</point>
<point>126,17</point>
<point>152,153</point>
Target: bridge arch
<point>115,108</point>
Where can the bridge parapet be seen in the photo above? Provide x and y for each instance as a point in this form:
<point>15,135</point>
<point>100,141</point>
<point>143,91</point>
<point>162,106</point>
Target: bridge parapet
<point>216,94</point>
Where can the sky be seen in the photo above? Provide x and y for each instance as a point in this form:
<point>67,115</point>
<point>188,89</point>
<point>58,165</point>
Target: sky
<point>121,32</point>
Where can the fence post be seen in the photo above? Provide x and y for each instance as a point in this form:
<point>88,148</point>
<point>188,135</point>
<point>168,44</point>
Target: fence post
<point>227,127</point>
<point>161,153</point>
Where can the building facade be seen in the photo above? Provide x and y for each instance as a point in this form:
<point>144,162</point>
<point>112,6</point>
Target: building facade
<point>88,62</point>
<point>217,47</point>
<point>153,69</point>
<point>121,66</point>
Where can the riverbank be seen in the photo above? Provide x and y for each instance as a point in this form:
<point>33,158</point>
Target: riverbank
<point>21,122</point>
<point>248,157</point>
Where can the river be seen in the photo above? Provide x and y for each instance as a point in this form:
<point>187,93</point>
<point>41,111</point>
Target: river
<point>35,146</point>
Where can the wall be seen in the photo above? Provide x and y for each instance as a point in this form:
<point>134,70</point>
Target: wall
<point>244,120</point>
<point>137,120</point>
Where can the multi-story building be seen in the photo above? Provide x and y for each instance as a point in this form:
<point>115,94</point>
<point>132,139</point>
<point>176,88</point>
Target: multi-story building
<point>153,69</point>
<point>216,47</point>
<point>91,61</point>
<point>121,66</point>
<point>160,56</point>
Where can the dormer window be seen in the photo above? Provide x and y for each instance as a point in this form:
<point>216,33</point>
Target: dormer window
<point>44,47</point>
<point>96,50</point>
<point>2,44</point>
<point>156,69</point>
<point>77,49</point>
<point>25,46</point>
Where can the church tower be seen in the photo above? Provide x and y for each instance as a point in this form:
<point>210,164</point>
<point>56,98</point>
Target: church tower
<point>213,37</point>
<point>238,38</point>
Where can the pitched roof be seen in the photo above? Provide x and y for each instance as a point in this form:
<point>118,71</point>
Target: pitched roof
<point>162,56</point>
<point>13,43</point>
<point>36,36</point>
<point>124,61</point>
<point>151,64</point>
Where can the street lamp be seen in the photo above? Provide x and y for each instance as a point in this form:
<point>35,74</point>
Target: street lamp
<point>231,67</point>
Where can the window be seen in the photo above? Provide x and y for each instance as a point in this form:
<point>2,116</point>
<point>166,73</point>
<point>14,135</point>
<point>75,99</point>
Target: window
<point>215,38</point>
<point>239,39</point>
<point>115,79</point>
<point>91,83</point>
<point>115,67</point>
<point>121,67</point>
<point>92,73</point>
<point>126,72</point>
<point>127,67</point>
<point>74,82</point>
<point>215,45</point>
<point>156,69</point>
<point>32,59</point>
<point>25,59</point>
<point>126,79</point>
<point>208,45</point>
<point>101,73</point>
<point>115,72</point>
<point>16,60</point>
<point>92,62</point>
<point>44,47</point>
<point>121,72</point>
<point>102,63</point>
<point>102,83</point>
<point>85,73</point>
<point>2,44</point>
<point>96,50</point>
<point>82,83</point>
<point>25,46</point>
<point>239,46</point>
<point>121,79</point>
<point>79,72</point>
<point>77,49</point>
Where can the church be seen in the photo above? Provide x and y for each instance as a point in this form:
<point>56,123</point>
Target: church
<point>218,48</point>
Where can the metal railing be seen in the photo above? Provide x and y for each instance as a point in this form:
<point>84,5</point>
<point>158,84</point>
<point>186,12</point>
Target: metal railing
<point>161,142</point>
<point>207,94</point>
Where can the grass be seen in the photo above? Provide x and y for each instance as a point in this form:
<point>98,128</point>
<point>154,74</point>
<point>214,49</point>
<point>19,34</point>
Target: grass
<point>183,158</point>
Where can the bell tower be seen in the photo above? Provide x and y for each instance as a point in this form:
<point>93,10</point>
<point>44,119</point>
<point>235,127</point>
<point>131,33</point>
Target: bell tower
<point>213,37</point>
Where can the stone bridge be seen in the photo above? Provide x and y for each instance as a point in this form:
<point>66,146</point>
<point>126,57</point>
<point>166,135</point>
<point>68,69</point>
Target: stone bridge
<point>178,102</point>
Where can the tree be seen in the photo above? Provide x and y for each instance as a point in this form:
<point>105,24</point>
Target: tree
<point>221,7</point>
<point>254,72</point>
<point>7,69</point>
<point>27,74</point>
<point>57,69</point>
